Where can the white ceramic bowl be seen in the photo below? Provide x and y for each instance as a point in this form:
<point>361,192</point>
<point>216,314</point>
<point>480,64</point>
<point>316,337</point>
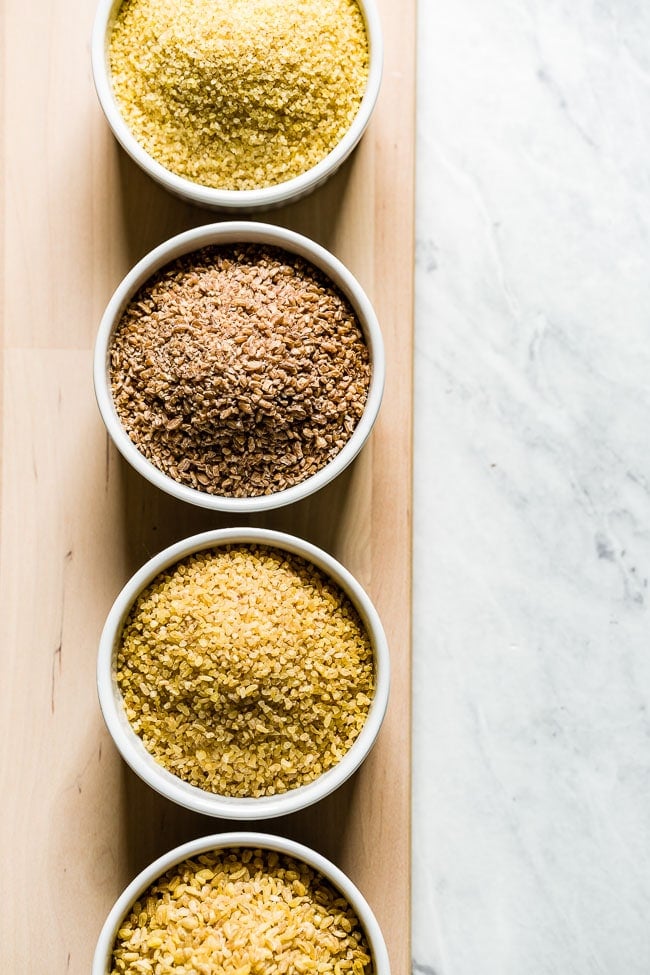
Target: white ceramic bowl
<point>234,200</point>
<point>239,840</point>
<point>229,233</point>
<point>130,745</point>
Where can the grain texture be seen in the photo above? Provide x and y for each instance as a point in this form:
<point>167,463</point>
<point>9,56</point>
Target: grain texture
<point>75,522</point>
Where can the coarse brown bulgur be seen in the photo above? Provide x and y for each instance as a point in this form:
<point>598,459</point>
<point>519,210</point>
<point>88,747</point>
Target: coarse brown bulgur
<point>238,95</point>
<point>245,671</point>
<point>241,912</point>
<point>239,370</point>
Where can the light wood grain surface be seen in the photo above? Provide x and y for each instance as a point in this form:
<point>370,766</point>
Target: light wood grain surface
<point>76,824</point>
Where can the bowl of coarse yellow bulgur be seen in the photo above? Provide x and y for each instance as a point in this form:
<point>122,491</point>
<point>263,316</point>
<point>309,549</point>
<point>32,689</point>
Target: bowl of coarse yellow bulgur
<point>241,903</point>
<point>239,366</point>
<point>238,105</point>
<point>243,673</point>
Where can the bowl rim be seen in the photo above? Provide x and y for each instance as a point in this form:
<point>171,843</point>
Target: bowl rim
<point>234,840</point>
<point>265,197</point>
<point>171,786</point>
<point>231,232</point>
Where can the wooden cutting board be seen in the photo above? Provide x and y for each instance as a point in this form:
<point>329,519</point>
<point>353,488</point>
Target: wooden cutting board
<point>75,824</point>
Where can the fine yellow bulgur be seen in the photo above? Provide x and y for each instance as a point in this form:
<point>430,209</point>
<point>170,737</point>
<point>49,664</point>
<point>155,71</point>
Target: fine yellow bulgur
<point>238,94</point>
<point>241,912</point>
<point>245,671</point>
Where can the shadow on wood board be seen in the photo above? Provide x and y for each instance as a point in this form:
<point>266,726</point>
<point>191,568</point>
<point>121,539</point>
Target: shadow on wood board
<point>152,520</point>
<point>152,825</point>
<point>150,214</point>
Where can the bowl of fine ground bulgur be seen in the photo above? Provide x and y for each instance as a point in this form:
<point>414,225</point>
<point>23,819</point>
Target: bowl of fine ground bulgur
<point>238,105</point>
<point>243,673</point>
<point>241,904</point>
<point>239,366</point>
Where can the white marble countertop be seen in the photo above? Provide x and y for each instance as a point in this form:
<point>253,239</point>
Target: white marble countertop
<point>531,810</point>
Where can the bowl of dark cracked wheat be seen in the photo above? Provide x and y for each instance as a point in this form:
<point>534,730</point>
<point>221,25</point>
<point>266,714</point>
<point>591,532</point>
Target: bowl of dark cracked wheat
<point>239,366</point>
<point>241,903</point>
<point>243,673</point>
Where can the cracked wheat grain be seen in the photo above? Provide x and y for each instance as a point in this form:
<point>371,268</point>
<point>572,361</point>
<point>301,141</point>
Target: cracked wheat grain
<point>245,671</point>
<point>241,912</point>
<point>238,95</point>
<point>239,370</point>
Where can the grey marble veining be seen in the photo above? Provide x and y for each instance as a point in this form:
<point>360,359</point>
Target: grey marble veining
<point>531,805</point>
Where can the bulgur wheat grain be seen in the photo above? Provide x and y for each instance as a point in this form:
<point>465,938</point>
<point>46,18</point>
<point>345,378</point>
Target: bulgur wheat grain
<point>245,671</point>
<point>238,95</point>
<point>241,912</point>
<point>239,370</point>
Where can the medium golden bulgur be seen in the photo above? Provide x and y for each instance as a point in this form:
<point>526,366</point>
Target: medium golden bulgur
<point>238,95</point>
<point>241,912</point>
<point>245,671</point>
